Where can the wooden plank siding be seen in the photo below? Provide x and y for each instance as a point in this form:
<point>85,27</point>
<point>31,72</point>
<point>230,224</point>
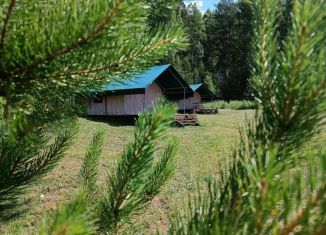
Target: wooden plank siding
<point>152,94</point>
<point>116,105</point>
<point>133,104</point>
<point>97,109</point>
<point>190,102</point>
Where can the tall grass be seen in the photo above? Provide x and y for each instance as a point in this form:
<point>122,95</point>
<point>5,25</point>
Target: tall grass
<point>236,105</point>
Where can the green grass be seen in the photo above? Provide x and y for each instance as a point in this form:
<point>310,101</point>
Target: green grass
<point>235,105</point>
<point>203,151</point>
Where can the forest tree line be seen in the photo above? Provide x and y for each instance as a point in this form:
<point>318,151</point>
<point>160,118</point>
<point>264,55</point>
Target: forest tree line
<point>220,40</point>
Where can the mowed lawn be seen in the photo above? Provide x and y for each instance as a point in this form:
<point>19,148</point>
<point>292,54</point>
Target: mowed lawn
<point>204,151</point>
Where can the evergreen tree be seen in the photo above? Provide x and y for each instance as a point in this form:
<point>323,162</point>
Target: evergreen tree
<point>51,54</point>
<point>275,185</point>
<point>189,62</point>
<point>210,53</point>
<point>195,27</point>
<point>163,12</point>
<point>210,84</point>
<point>227,47</point>
<point>137,178</point>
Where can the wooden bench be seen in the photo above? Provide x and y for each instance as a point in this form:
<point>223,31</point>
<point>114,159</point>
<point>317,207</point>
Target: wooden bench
<point>186,120</point>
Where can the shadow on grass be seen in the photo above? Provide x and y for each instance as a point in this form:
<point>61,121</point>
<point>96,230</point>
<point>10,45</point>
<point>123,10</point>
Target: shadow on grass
<point>114,120</point>
<point>119,121</point>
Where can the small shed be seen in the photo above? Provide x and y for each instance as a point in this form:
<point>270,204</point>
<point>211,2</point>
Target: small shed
<point>201,94</point>
<point>140,91</point>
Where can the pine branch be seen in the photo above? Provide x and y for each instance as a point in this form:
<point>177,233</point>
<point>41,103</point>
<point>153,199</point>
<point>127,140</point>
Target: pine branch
<point>85,38</point>
<point>6,22</point>
<point>245,198</point>
<point>80,43</point>
<point>303,211</point>
<point>161,171</point>
<point>71,217</point>
<point>20,168</point>
<point>89,170</point>
<point>266,45</point>
<point>321,230</point>
<point>127,193</point>
<point>140,53</point>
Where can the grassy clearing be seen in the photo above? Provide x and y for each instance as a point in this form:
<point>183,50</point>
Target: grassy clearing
<point>203,151</point>
<point>235,105</point>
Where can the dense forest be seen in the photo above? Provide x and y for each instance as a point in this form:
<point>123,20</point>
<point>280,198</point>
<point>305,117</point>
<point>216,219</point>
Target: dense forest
<point>219,51</point>
<point>119,179</point>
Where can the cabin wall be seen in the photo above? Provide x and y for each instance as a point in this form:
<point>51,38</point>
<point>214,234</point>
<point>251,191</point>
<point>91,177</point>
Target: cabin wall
<point>96,109</point>
<point>190,102</point>
<point>133,104</point>
<point>152,94</point>
<point>196,98</point>
<point>117,105</point>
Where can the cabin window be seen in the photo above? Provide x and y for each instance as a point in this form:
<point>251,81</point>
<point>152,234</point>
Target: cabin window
<point>98,99</point>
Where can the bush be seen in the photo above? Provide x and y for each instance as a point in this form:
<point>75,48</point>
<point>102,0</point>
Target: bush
<point>237,105</point>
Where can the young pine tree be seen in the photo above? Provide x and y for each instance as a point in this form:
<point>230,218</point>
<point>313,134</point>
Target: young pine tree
<point>51,52</point>
<point>276,185</point>
<point>139,175</point>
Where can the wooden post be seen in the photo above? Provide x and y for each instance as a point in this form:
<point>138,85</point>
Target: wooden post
<point>106,105</point>
<point>184,100</point>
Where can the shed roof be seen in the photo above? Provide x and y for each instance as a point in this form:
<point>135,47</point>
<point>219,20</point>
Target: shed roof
<point>165,76</point>
<point>194,87</point>
<point>139,80</point>
<point>203,90</point>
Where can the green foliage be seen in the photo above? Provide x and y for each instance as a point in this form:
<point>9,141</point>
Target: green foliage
<point>210,84</point>
<point>51,54</point>
<point>89,170</point>
<point>77,215</point>
<point>291,85</point>
<point>193,21</point>
<point>275,185</point>
<point>52,48</point>
<point>227,48</point>
<point>237,105</point>
<point>190,61</point>
<point>161,170</point>
<point>87,47</point>
<point>129,186</point>
<point>70,218</point>
<point>163,12</point>
<point>25,159</point>
<point>220,43</point>
<point>219,51</point>
<point>138,177</point>
<point>285,19</point>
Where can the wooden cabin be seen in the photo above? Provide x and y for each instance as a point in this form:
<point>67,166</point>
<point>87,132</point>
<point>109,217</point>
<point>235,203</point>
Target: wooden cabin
<point>140,91</point>
<point>201,94</point>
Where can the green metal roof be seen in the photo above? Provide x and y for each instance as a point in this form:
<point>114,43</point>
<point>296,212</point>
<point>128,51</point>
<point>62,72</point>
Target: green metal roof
<point>139,80</point>
<point>203,90</point>
<point>195,87</point>
<point>165,76</point>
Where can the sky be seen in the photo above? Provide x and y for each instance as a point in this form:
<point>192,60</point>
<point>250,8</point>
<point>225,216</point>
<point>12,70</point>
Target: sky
<point>203,5</point>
